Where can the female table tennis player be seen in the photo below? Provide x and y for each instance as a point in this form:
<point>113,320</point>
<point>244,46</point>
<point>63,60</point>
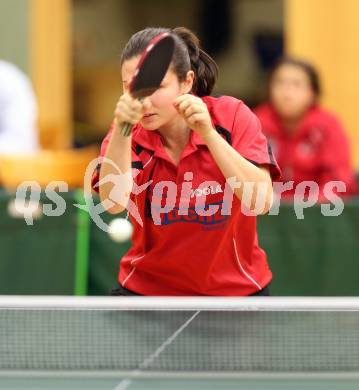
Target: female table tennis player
<point>187,146</point>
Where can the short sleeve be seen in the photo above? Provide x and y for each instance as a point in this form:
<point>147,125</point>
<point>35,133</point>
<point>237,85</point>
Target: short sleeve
<point>136,162</point>
<point>250,142</point>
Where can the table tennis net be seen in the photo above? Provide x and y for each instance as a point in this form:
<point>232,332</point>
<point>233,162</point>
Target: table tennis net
<point>176,335</point>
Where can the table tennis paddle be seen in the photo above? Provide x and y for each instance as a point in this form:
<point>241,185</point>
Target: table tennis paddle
<point>151,69</point>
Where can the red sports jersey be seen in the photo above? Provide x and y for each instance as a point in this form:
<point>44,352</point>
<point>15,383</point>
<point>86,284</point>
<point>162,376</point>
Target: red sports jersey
<point>317,151</point>
<point>183,251</point>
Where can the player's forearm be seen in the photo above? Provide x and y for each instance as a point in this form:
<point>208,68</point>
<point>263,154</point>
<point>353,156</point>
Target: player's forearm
<point>236,168</point>
<point>117,162</point>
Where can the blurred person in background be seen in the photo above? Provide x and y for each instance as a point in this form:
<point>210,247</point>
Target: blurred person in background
<point>308,142</point>
<point>18,112</point>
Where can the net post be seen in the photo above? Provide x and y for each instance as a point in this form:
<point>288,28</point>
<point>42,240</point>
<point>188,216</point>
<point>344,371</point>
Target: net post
<point>82,246</point>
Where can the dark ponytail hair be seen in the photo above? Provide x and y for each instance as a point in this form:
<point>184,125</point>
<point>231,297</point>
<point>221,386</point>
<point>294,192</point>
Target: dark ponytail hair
<point>187,56</point>
<point>307,68</point>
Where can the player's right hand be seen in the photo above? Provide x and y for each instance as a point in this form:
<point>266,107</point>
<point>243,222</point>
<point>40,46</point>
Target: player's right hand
<point>128,110</point>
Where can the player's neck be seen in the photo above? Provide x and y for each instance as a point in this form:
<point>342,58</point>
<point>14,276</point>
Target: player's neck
<point>175,135</point>
<point>290,125</point>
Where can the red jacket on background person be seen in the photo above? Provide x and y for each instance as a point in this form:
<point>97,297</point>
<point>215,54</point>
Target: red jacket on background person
<point>317,150</point>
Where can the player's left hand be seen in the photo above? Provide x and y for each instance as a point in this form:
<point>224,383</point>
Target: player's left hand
<point>195,113</point>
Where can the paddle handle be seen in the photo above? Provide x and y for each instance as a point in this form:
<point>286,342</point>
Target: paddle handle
<point>127,127</point>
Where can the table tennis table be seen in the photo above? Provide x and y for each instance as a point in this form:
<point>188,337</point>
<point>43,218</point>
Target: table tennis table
<point>129,343</point>
<point>300,383</point>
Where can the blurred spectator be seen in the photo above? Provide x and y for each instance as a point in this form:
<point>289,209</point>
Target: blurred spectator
<point>308,142</point>
<point>18,112</point>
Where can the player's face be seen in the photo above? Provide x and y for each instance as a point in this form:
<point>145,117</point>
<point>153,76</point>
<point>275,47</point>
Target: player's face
<point>291,92</point>
<point>159,108</point>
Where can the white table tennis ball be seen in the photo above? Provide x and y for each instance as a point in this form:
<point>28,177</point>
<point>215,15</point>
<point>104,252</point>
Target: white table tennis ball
<point>120,229</point>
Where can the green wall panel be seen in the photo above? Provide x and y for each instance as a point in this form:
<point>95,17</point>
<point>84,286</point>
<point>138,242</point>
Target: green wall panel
<point>14,33</point>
